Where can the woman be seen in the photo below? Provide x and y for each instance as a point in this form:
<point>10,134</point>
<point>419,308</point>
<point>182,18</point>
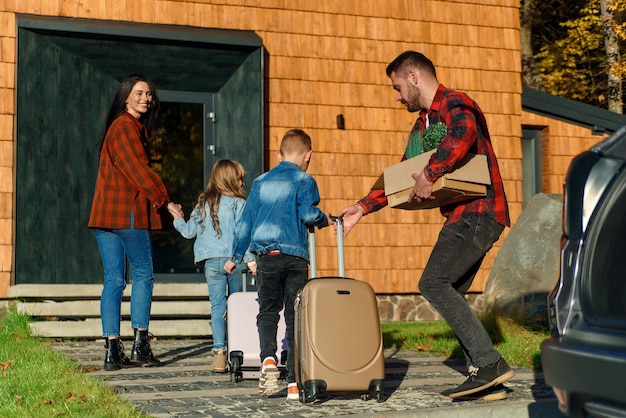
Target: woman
<point>128,202</point>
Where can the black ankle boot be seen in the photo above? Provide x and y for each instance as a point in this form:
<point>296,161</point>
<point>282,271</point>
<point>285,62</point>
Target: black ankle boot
<point>141,352</point>
<point>114,357</point>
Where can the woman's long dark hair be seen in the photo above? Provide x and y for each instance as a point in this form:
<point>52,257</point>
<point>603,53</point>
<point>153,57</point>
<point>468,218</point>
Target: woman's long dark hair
<point>150,119</point>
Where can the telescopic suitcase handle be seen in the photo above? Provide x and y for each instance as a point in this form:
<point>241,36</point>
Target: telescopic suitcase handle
<point>340,253</point>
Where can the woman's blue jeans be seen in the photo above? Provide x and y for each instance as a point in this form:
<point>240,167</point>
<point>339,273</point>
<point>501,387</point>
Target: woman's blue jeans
<point>280,277</point>
<point>451,268</point>
<point>117,245</point>
<point>221,284</point>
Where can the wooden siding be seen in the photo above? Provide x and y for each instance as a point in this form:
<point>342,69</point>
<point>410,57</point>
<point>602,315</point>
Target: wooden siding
<point>326,58</point>
<point>560,142</point>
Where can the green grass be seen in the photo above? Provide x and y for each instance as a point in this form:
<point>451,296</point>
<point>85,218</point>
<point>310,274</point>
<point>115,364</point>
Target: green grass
<point>37,381</point>
<point>518,343</point>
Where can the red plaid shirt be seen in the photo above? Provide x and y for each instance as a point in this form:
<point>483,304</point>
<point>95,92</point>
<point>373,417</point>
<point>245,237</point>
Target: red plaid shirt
<point>467,133</point>
<point>125,181</point>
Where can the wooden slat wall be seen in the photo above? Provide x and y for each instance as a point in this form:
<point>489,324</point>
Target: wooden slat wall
<point>561,141</point>
<point>327,58</point>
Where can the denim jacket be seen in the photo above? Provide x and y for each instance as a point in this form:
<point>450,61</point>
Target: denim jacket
<point>207,244</point>
<point>281,206</point>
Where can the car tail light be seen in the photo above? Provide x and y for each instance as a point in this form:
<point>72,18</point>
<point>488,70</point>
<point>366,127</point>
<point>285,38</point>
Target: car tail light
<point>562,398</point>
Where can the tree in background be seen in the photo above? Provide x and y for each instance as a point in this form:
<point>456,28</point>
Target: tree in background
<point>580,59</point>
<point>541,26</point>
<point>612,31</point>
<point>529,15</point>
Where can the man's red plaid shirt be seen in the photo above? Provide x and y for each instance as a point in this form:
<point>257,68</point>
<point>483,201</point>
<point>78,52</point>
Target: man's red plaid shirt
<point>467,133</point>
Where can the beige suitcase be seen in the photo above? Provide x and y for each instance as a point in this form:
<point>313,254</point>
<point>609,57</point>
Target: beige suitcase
<point>338,339</point>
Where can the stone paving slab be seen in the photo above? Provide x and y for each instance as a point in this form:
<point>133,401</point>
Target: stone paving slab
<point>184,387</point>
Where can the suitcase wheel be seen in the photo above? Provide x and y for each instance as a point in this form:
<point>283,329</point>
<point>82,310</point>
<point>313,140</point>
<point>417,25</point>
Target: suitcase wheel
<point>379,396</point>
<point>307,397</point>
<point>311,389</point>
<point>236,358</point>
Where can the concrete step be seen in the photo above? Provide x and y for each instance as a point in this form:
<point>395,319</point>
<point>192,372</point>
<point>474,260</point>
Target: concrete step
<point>91,308</point>
<point>73,311</point>
<point>92,328</point>
<point>171,291</point>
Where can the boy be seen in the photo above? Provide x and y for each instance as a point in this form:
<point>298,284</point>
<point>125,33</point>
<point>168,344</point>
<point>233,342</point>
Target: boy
<point>282,205</point>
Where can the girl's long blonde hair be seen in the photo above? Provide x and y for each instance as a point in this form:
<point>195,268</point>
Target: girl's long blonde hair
<point>226,179</point>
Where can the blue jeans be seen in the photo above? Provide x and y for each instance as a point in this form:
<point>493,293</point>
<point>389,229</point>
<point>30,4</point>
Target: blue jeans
<point>280,277</point>
<point>217,279</point>
<point>116,245</point>
<point>451,268</point>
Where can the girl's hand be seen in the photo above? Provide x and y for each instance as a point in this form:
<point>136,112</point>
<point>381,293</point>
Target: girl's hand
<point>175,209</point>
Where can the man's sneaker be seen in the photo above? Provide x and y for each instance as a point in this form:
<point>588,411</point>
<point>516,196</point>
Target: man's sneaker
<point>292,391</point>
<point>495,393</point>
<point>268,382</point>
<point>483,378</point>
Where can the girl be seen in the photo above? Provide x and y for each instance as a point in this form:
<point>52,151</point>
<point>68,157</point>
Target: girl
<point>212,223</point>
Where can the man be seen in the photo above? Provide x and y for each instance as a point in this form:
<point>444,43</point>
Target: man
<point>471,227</point>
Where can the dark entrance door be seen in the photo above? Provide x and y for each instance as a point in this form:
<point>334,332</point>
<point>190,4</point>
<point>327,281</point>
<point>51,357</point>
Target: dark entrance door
<point>183,157</point>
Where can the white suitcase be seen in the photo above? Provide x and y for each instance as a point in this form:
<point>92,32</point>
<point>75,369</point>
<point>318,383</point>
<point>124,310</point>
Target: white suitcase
<point>242,336</point>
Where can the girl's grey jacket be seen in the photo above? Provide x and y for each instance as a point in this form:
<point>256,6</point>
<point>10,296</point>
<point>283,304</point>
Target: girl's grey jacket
<point>208,244</point>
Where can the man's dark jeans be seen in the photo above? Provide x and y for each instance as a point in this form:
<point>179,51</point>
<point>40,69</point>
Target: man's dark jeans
<point>280,278</point>
<point>453,263</point>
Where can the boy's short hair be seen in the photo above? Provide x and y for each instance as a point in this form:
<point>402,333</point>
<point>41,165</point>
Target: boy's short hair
<point>295,141</point>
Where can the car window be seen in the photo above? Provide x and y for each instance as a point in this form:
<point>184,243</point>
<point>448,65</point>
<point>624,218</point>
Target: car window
<point>604,265</point>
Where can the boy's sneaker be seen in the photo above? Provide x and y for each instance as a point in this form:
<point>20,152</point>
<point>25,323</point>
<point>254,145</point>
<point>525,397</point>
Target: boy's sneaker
<point>483,378</point>
<point>268,382</point>
<point>292,391</point>
<point>495,393</point>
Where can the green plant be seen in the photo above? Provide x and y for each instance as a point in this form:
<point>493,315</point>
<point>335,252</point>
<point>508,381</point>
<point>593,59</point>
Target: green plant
<point>433,135</point>
<point>37,381</point>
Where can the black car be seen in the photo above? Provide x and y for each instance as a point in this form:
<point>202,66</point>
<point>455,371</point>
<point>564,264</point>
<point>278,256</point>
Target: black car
<point>584,360</point>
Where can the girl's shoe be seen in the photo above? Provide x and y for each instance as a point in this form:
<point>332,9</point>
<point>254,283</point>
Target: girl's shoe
<point>219,361</point>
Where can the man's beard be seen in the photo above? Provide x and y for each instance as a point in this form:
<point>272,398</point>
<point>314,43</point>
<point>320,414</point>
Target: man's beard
<point>413,102</point>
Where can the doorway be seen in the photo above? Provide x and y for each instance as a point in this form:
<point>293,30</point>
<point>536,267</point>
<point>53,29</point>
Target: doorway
<point>183,159</point>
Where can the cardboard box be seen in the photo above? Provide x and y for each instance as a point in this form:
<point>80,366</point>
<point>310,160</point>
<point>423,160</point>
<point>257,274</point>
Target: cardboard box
<point>468,181</point>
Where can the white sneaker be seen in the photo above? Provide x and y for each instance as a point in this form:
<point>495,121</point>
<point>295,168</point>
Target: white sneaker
<point>292,391</point>
<point>268,382</point>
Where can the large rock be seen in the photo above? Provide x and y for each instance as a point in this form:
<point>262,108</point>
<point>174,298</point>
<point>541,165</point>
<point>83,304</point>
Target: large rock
<point>527,266</point>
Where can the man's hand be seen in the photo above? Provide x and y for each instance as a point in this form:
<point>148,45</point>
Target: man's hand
<point>422,190</point>
<point>351,215</point>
